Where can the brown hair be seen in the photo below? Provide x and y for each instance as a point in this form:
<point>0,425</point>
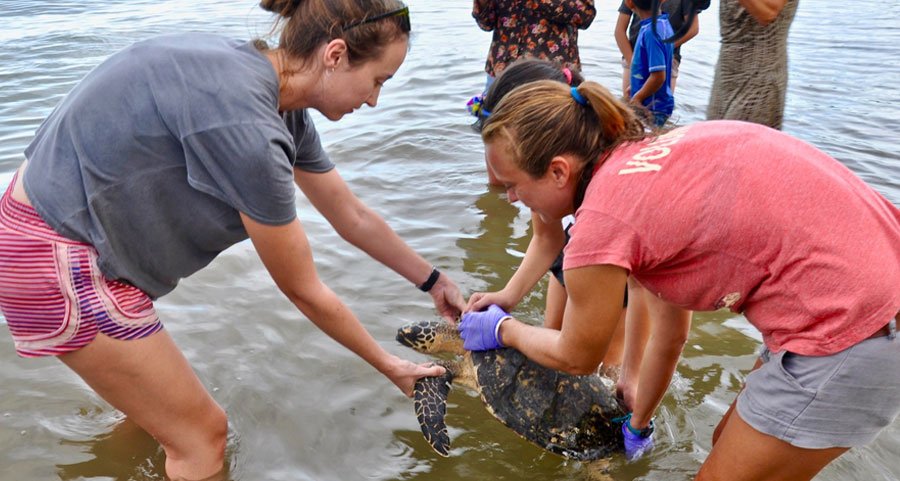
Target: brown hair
<point>307,24</point>
<point>543,119</point>
<point>520,72</point>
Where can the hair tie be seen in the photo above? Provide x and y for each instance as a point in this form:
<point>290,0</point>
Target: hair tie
<point>578,97</point>
<point>475,106</point>
<point>568,74</point>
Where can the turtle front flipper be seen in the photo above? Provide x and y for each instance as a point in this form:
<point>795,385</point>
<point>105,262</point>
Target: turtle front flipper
<point>431,407</point>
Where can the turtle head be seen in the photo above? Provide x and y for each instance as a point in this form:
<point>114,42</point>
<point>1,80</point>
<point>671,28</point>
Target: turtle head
<point>431,337</point>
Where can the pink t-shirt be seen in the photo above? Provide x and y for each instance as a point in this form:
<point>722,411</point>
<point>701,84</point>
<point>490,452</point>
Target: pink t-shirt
<point>735,215</point>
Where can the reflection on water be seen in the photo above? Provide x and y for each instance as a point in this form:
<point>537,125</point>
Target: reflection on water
<point>301,407</point>
<point>119,452</point>
<point>497,243</point>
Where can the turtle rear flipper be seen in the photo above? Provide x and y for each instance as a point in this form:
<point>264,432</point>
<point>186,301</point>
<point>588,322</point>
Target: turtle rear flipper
<point>431,407</point>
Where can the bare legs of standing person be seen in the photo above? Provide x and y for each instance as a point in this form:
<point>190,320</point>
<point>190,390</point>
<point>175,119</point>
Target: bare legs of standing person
<point>637,331</point>
<point>626,80</point>
<point>741,453</point>
<point>151,382</point>
<point>555,305</point>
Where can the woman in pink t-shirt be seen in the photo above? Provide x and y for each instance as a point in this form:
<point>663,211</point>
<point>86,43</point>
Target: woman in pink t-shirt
<point>713,215</point>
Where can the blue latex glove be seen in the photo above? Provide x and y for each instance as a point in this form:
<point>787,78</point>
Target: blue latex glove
<point>637,442</point>
<point>479,329</point>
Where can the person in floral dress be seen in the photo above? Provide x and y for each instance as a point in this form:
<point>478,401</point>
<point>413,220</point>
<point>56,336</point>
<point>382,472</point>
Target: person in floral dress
<point>544,29</point>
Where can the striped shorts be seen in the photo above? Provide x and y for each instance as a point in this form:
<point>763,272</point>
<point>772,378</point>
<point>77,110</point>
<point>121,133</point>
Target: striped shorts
<point>52,294</point>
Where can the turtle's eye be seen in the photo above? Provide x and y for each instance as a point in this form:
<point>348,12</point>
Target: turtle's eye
<point>407,335</point>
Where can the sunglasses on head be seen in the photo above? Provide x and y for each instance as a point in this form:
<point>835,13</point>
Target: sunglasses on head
<point>403,13</point>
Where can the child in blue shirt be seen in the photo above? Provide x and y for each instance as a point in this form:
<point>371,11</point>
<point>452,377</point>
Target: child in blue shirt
<point>651,66</point>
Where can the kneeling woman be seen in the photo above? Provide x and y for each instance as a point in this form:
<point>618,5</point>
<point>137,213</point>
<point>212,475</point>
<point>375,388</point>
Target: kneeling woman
<point>713,215</point>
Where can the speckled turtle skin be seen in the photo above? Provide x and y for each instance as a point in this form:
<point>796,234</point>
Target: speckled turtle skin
<point>567,415</point>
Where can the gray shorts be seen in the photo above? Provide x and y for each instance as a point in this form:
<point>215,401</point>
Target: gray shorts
<point>816,402</point>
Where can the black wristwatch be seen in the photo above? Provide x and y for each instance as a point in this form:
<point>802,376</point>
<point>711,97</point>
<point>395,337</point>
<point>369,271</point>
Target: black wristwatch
<point>432,279</point>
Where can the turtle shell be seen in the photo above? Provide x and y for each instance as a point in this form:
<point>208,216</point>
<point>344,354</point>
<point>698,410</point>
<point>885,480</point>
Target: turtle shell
<point>565,414</point>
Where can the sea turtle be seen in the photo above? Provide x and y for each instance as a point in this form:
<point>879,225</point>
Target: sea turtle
<point>572,416</point>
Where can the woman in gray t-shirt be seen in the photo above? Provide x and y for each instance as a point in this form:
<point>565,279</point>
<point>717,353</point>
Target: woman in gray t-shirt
<point>163,156</point>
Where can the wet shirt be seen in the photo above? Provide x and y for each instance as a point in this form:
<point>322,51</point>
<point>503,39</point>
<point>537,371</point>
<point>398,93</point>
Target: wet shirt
<point>545,29</point>
<point>735,215</point>
<point>152,156</point>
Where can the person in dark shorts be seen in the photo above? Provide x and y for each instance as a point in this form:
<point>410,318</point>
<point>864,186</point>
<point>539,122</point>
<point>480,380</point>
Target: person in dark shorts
<point>816,271</point>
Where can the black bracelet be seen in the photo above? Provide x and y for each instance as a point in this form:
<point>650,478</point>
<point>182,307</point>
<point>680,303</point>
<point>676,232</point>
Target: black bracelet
<point>430,282</point>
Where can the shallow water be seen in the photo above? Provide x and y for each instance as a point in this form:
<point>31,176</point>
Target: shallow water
<point>301,407</point>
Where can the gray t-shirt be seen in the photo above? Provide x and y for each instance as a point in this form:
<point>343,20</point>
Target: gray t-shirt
<point>152,156</point>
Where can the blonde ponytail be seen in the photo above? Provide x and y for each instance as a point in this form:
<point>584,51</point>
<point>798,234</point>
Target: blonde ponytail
<point>546,118</point>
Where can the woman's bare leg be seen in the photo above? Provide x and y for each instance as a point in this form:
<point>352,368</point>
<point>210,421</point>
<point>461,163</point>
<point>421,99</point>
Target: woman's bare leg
<point>612,362</point>
<point>555,304</point>
<point>718,431</point>
<point>742,453</point>
<point>637,331</point>
<point>553,318</point>
<point>151,382</point>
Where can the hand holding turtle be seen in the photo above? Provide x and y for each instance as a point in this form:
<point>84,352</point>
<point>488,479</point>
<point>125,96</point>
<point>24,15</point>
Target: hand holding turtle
<point>480,300</point>
<point>480,329</point>
<point>638,442</point>
<point>626,390</point>
<point>447,299</point>
<point>404,374</point>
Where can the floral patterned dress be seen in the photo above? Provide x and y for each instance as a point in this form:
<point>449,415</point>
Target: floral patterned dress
<point>545,29</point>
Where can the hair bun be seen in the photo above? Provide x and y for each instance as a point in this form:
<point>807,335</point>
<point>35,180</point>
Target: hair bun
<point>285,8</point>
